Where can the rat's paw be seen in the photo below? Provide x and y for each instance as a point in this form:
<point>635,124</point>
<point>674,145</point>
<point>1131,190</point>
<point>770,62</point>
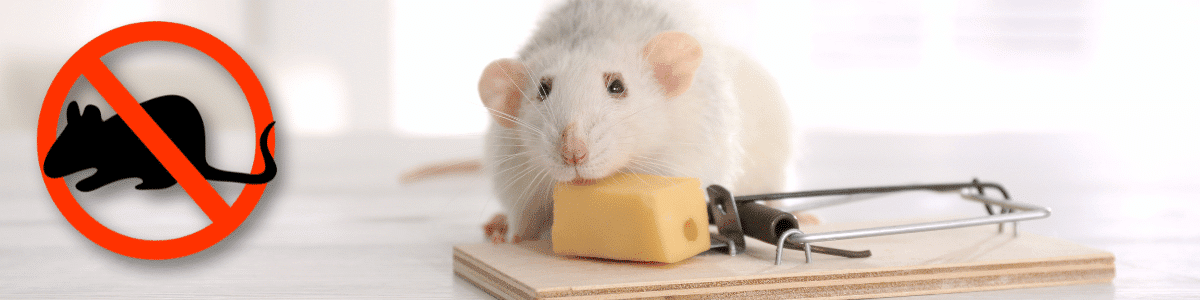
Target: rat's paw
<point>496,229</point>
<point>498,239</point>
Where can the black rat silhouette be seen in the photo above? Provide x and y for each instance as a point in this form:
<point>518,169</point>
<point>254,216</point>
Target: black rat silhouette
<point>115,151</point>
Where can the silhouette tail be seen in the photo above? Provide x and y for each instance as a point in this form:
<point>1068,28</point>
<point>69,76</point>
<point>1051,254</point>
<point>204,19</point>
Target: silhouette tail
<point>267,174</point>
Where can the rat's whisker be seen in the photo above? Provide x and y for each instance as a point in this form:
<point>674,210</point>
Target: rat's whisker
<point>525,97</point>
<point>518,153</point>
<point>511,155</point>
<point>664,164</point>
<point>534,186</point>
<point>513,81</point>
<point>642,167</point>
<point>504,159</point>
<point>537,187</point>
<point>515,120</point>
<point>639,177</point>
<point>517,138</point>
<point>522,174</point>
<point>515,135</point>
<point>622,120</point>
<point>525,164</point>
<point>669,141</point>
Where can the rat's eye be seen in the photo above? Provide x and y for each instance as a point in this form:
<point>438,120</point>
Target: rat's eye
<point>616,88</point>
<point>544,89</point>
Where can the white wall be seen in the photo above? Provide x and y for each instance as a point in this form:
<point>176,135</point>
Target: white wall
<point>939,67</point>
<point>1121,71</point>
<point>1120,75</point>
<point>897,66</point>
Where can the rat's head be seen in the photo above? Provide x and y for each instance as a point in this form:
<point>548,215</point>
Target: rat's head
<point>70,151</point>
<point>583,112</point>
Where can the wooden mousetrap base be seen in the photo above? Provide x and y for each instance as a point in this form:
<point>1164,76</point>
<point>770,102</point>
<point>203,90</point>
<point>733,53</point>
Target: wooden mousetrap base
<point>937,262</point>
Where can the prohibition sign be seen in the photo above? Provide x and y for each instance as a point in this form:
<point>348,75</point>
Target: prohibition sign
<point>86,62</point>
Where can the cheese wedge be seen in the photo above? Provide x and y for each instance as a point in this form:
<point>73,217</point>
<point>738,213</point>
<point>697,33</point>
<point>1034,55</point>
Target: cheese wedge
<point>635,217</point>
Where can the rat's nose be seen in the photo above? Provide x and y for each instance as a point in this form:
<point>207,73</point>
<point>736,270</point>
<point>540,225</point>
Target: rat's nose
<point>574,155</point>
<point>573,150</point>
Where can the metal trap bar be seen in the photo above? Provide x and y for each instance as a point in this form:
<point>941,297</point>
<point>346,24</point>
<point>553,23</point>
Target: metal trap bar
<point>1009,212</point>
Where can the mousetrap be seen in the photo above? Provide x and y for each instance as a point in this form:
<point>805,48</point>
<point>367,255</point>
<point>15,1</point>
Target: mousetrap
<point>875,259</point>
<point>737,217</point>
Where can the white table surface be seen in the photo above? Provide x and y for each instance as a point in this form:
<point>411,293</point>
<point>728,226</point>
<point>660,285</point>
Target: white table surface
<point>337,225</point>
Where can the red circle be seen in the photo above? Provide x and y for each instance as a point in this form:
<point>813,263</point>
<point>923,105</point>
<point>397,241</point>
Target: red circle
<point>85,62</point>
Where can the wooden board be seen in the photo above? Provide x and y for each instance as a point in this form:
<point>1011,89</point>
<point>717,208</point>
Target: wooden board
<point>949,261</point>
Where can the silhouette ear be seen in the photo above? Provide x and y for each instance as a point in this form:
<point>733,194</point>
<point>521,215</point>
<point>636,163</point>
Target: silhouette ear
<point>72,112</point>
<point>91,113</point>
<point>674,57</point>
<point>500,89</point>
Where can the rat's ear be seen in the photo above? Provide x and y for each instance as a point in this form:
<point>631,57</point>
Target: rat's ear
<point>72,112</point>
<point>674,56</point>
<point>500,89</point>
<point>91,113</point>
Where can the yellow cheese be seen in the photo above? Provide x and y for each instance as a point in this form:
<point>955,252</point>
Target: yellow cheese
<point>631,217</point>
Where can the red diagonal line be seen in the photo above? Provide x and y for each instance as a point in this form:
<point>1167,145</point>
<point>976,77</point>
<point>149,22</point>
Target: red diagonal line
<point>156,140</point>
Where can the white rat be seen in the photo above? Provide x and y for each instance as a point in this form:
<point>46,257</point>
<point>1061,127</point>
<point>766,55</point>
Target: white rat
<point>626,86</point>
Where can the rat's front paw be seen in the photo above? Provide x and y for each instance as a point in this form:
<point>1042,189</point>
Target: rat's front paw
<point>497,229</point>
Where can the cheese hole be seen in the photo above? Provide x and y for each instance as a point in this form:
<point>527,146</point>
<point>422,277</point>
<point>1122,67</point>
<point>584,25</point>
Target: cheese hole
<point>689,230</point>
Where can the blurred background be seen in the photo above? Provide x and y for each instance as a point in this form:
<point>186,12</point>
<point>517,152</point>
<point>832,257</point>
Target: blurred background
<point>1100,92</point>
<point>1087,105</point>
<point>1116,74</point>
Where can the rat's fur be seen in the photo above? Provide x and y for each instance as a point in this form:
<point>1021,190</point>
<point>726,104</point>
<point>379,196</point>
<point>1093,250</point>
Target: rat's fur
<point>695,134</point>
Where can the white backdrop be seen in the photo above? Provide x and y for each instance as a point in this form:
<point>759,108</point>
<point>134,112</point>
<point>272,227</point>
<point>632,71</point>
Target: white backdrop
<point>895,66</point>
<point>1119,72</point>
